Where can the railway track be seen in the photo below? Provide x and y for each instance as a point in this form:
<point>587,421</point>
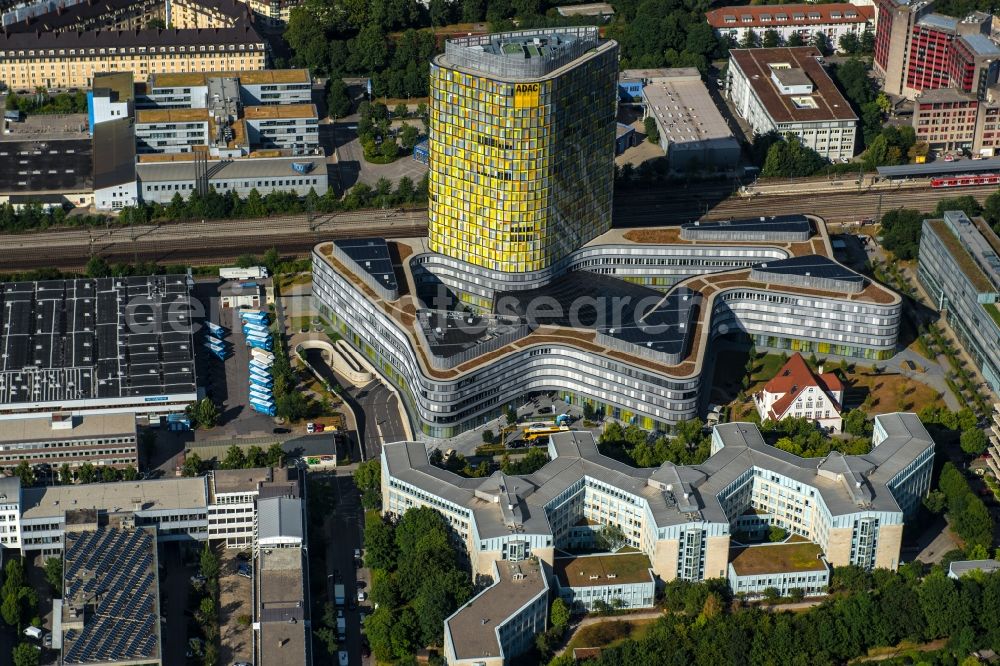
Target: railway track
<point>221,241</point>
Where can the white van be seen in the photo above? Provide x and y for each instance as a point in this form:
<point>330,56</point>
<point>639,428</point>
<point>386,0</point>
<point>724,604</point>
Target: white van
<point>33,632</point>
<point>342,658</point>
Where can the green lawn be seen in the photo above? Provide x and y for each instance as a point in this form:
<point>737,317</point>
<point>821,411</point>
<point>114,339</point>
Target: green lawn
<point>994,312</point>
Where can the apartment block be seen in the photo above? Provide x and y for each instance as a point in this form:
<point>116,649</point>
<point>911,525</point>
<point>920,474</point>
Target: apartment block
<point>834,20</point>
<point>786,90</point>
<point>63,438</point>
<point>958,264</point>
<point>917,50</point>
<point>71,59</point>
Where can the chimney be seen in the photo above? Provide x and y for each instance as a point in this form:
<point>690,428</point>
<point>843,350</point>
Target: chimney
<point>820,369</point>
<point>282,642</point>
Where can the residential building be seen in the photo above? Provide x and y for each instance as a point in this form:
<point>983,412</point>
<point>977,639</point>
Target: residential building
<point>786,90</point>
<point>798,392</point>
<point>71,59</point>
<point>273,12</point>
<point>834,20</point>
<point>693,133</point>
<point>501,622</point>
<point>190,90</point>
<point>506,196</point>
<point>64,438</point>
<point>992,451</point>
<point>958,265</point>
<point>92,15</point>
<point>755,570</point>
<point>597,9</point>
<point>681,517</point>
<point>195,14</point>
<point>112,97</point>
<point>623,580</point>
<point>948,119</point>
<point>918,50</point>
<point>78,345</point>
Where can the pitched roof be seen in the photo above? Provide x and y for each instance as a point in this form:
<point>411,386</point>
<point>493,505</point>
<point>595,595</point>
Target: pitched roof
<point>771,16</point>
<point>795,377</point>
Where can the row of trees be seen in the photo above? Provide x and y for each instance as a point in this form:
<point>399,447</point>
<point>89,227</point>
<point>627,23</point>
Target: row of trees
<point>802,437</point>
<point>967,514</point>
<point>255,457</point>
<point>417,582</point>
<point>375,134</point>
<point>65,475</point>
<point>869,610</point>
<point>689,445</point>
<point>44,103</point>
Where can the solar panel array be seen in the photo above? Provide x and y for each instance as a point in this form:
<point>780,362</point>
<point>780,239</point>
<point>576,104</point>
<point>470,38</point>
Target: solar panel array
<point>113,570</point>
<point>64,340</point>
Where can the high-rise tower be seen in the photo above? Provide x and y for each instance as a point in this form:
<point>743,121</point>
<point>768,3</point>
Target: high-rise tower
<point>522,128</point>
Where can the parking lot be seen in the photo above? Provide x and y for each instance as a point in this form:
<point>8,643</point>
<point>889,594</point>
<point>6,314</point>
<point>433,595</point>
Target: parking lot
<point>227,382</point>
<point>354,169</point>
<point>235,601</point>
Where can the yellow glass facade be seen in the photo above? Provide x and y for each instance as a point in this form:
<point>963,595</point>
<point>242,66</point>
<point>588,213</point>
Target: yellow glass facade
<point>521,172</point>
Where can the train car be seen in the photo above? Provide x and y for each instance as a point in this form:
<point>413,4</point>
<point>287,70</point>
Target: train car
<point>965,180</point>
<point>216,330</point>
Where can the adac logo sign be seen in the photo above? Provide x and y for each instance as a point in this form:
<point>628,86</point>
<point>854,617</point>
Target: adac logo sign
<point>525,95</point>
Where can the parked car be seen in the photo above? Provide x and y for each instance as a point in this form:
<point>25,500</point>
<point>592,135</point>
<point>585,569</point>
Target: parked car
<point>362,596</point>
<point>310,427</point>
<point>281,431</point>
<point>198,579</point>
<point>244,570</point>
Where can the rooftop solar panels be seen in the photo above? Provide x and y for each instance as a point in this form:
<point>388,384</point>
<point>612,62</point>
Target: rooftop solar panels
<point>91,339</point>
<point>109,577</point>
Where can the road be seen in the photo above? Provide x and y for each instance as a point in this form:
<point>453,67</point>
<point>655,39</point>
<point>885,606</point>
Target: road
<point>345,532</point>
<point>215,241</point>
<point>382,420</point>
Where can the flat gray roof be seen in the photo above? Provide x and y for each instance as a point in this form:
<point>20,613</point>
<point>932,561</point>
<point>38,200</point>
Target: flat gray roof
<point>249,167</point>
<point>683,109</point>
<point>155,495</point>
<point>962,567</point>
<point>38,428</point>
<point>279,517</point>
<point>282,610</point>
<point>939,167</point>
<point>473,627</point>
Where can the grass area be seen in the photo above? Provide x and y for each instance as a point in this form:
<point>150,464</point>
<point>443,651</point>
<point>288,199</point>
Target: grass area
<point>605,634</point>
<point>903,649</point>
<point>892,392</point>
<point>961,256</point>
<point>299,323</point>
<point>994,313</point>
<point>778,558</point>
<point>623,569</point>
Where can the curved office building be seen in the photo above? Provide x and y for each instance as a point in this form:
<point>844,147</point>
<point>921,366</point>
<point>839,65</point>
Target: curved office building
<point>601,333</point>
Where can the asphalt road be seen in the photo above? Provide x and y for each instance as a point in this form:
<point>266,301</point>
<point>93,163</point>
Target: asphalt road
<point>345,532</point>
<point>382,421</point>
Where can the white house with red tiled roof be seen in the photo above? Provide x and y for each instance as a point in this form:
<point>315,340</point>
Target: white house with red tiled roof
<point>798,392</point>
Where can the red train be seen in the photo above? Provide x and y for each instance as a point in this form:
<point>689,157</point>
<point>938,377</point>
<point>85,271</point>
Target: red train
<point>966,180</point>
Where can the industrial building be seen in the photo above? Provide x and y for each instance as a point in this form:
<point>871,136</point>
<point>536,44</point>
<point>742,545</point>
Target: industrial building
<point>63,438</point>
<point>834,20</point>
<point>98,527</point>
<point>506,197</point>
<point>55,166</point>
<point>959,267</point>
<point>849,508</point>
<point>786,90</point>
<point>918,50</point>
<point>190,90</point>
<point>693,134</point>
<point>118,345</point>
<point>109,612</point>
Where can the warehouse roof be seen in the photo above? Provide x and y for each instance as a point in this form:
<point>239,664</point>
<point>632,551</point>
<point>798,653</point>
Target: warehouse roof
<point>62,165</point>
<point>599,570</point>
<point>44,427</point>
<point>769,224</point>
<point>64,341</point>
<point>279,518</point>
<point>828,103</point>
<point>155,495</point>
<point>151,172</point>
<point>981,44</point>
<point>247,78</point>
<point>683,108</point>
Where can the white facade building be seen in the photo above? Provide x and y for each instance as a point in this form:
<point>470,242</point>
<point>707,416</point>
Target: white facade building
<point>833,20</point>
<point>786,90</point>
<point>798,392</point>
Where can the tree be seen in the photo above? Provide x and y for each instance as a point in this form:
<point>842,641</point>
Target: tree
<point>966,203</point>
<point>65,474</point>
<point>408,136</point>
<point>856,423</point>
<point>204,413</point>
<point>25,472</point>
<point>209,562</point>
<point>26,654</point>
<point>192,466</point>
<point>368,479</point>
<point>610,538</point>
<point>256,457</point>
<point>901,232</point>
<point>338,101</point>
<point>275,455</point>
<point>795,40</point>
<point>272,260</point>
<point>511,415</point>
<point>247,260</point>
<point>235,458</point>
<point>849,43</point>
<point>776,534</point>
<point>292,405</point>
<point>97,267</point>
<point>389,149</point>
<point>652,133</point>
<point>790,157</point>
<point>559,615</point>
<point>87,473</point>
<point>400,111</point>
<point>488,436</point>
<point>380,544</point>
<point>973,441</point>
<point>822,43</point>
<point>771,39</point>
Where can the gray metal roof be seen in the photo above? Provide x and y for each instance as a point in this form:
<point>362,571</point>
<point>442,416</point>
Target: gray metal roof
<point>502,504</point>
<point>279,517</point>
<point>960,568</point>
<point>940,168</point>
<point>939,22</point>
<point>981,44</point>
